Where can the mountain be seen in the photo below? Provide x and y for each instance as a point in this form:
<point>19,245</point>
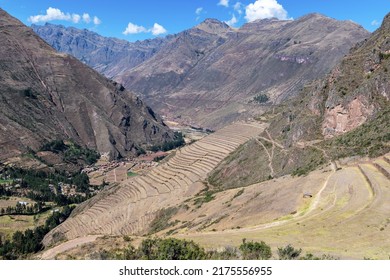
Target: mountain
<point>209,75</point>
<point>46,96</point>
<point>345,114</point>
<point>109,56</point>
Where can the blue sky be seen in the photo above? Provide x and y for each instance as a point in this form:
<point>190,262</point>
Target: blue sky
<point>138,20</point>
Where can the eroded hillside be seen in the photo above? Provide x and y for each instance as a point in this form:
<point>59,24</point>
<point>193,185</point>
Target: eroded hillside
<point>49,96</point>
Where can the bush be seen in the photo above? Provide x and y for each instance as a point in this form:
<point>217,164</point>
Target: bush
<point>255,250</point>
<point>55,146</point>
<point>261,98</point>
<point>229,253</point>
<point>170,249</point>
<point>289,253</point>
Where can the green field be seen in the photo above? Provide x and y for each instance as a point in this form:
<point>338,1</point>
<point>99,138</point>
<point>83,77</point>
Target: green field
<point>2,181</point>
<point>9,224</point>
<point>131,174</point>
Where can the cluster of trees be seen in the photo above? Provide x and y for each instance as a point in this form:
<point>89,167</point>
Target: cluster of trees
<point>170,145</point>
<point>37,185</point>
<point>176,249</point>
<point>23,209</point>
<point>71,152</point>
<point>24,243</point>
<point>5,192</point>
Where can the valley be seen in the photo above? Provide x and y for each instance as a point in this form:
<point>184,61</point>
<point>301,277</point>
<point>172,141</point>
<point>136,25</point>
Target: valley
<point>166,185</point>
<point>216,138</point>
<point>340,210</point>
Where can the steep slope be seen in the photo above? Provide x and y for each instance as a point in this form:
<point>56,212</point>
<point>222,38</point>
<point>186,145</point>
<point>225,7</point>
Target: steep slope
<point>46,96</point>
<point>210,74</point>
<point>109,56</point>
<point>345,114</point>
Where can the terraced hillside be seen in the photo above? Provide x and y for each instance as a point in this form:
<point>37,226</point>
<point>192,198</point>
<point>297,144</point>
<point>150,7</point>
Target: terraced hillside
<point>129,208</point>
<point>348,215</point>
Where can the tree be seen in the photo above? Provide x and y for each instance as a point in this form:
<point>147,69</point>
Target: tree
<point>255,250</point>
<point>289,253</point>
<point>261,98</point>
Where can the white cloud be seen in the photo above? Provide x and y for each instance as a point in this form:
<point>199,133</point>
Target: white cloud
<point>134,29</point>
<point>57,14</point>
<point>76,18</point>
<point>232,21</point>
<point>51,14</point>
<point>199,10</point>
<point>96,20</point>
<point>157,29</point>
<point>375,23</point>
<point>265,9</point>
<point>238,7</point>
<point>86,18</point>
<point>224,3</point>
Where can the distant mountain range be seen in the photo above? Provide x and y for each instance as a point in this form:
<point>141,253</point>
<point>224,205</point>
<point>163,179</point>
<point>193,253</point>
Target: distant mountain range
<point>46,96</point>
<point>209,75</point>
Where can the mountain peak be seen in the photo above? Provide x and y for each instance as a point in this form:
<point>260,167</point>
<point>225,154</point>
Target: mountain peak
<point>386,22</point>
<point>212,25</point>
<point>313,16</point>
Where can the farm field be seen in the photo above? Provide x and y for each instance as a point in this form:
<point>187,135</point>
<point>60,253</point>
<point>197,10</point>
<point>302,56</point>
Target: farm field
<point>12,201</point>
<point>9,224</point>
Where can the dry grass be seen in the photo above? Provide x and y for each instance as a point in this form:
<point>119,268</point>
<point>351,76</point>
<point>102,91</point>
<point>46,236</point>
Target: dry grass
<point>12,201</point>
<point>350,219</point>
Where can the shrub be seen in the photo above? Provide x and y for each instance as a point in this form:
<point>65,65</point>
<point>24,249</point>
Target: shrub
<point>261,98</point>
<point>289,253</point>
<point>170,249</point>
<point>255,250</point>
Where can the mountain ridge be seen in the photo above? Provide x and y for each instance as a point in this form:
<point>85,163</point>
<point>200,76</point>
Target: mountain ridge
<point>208,75</point>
